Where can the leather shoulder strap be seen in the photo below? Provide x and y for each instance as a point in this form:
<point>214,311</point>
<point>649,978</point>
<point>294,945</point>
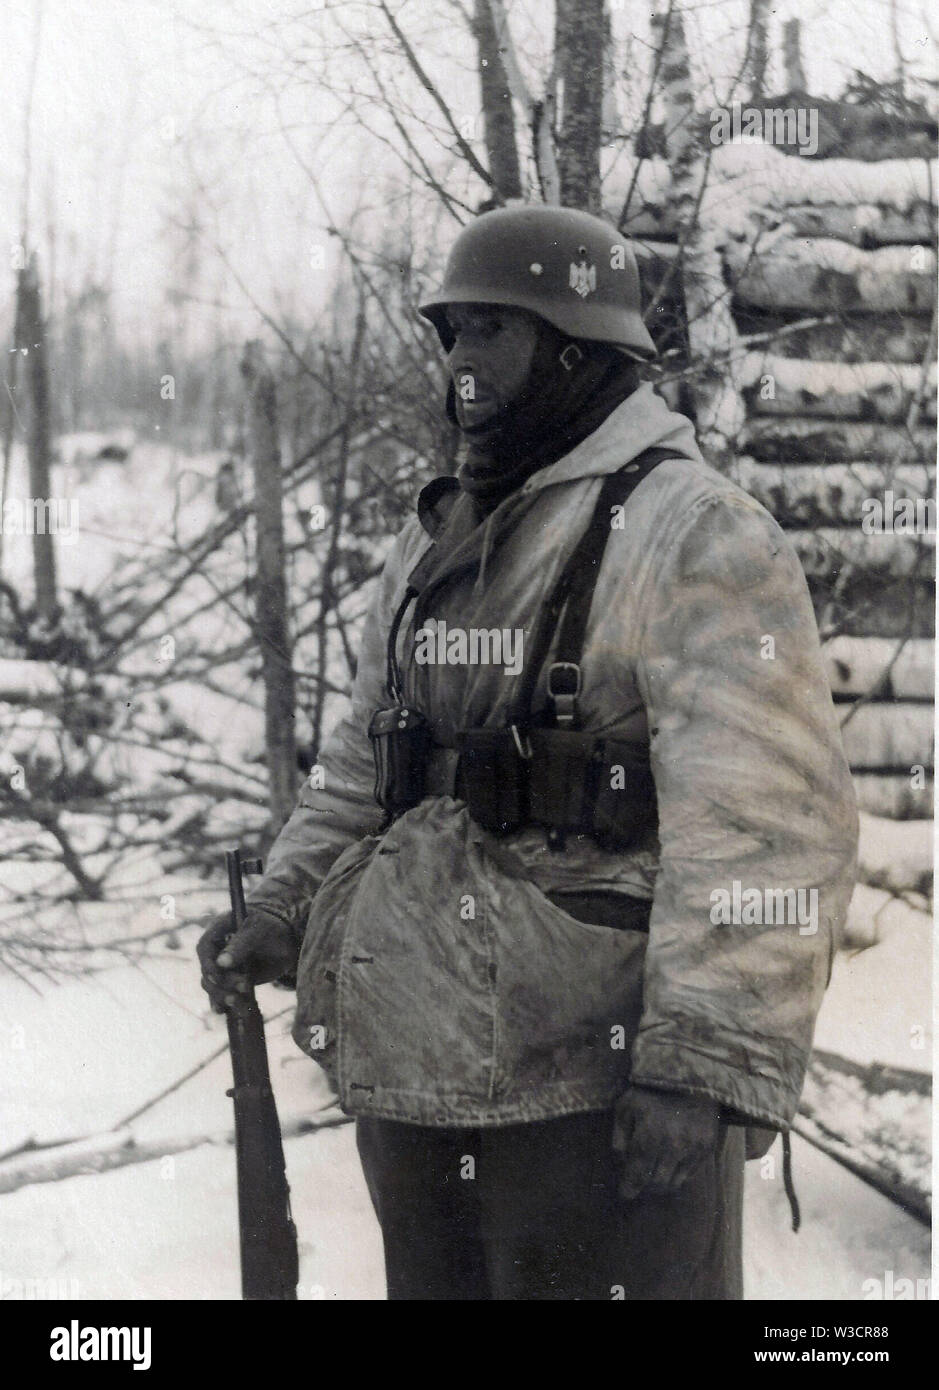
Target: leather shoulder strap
<point>579,579</point>
<point>576,583</point>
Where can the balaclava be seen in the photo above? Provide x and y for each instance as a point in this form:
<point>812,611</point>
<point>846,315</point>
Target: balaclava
<point>564,400</point>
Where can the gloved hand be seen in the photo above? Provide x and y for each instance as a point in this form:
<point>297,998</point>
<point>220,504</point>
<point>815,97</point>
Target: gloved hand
<point>662,1137</point>
<point>264,949</point>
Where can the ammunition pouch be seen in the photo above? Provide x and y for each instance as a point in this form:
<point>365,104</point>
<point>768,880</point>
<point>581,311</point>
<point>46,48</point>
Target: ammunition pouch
<point>400,743</point>
<point>559,781</point>
<point>493,778</point>
<point>623,803</point>
<point>566,781</point>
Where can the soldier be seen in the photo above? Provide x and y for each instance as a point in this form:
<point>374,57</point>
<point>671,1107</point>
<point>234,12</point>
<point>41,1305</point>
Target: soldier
<point>579,959</point>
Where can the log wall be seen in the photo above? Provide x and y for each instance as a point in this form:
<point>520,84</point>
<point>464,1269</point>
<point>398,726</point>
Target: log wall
<point>840,444</point>
<point>831,269</point>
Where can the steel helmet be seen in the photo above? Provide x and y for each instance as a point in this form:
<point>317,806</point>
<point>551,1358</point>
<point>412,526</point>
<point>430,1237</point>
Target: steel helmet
<point>569,267</point>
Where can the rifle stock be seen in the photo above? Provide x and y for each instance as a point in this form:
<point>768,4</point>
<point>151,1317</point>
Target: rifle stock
<point>269,1258</point>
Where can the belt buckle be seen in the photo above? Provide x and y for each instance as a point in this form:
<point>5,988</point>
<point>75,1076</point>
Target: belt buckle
<point>565,701</point>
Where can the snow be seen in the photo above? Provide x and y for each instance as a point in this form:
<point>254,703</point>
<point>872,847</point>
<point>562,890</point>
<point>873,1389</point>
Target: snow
<point>820,378</point>
<point>780,181</point>
<point>86,1052</point>
<point>150,1232</point>
<point>878,1007</point>
<point>169,1229</point>
<point>849,1233</point>
<point>827,253</point>
<point>752,175</point>
<point>81,1055</point>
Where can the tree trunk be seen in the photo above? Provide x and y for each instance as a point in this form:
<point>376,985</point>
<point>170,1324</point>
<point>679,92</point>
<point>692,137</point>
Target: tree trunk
<point>894,670</point>
<point>540,113</point>
<point>792,56</point>
<point>498,116</point>
<point>580,30</point>
<point>790,439</point>
<point>757,60</point>
<point>828,494</point>
<point>336,508</point>
<point>270,585</point>
<point>837,390</point>
<point>825,276</point>
<point>892,737</point>
<point>713,339</point>
<point>827,552</point>
<point>891,794</point>
<point>9,429</point>
<point>30,340</point>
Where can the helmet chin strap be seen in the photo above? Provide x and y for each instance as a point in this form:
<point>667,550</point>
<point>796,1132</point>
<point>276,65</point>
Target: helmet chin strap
<point>570,356</point>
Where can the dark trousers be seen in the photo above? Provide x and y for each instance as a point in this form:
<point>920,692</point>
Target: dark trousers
<point>531,1211</point>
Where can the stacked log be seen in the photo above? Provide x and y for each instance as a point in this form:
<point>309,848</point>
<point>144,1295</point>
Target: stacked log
<point>822,275</point>
<point>832,264</point>
<point>833,296</point>
<point>838,390</point>
<point>793,439</point>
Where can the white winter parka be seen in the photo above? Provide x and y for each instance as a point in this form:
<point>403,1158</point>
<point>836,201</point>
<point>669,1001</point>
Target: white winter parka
<point>438,984</point>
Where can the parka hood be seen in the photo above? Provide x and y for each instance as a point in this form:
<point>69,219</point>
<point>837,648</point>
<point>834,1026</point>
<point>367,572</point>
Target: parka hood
<point>642,421</point>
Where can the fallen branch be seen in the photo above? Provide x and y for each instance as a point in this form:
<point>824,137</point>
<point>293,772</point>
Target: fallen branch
<point>33,1145</point>
<point>914,1203</point>
<point>875,1121</point>
<point>103,1152</point>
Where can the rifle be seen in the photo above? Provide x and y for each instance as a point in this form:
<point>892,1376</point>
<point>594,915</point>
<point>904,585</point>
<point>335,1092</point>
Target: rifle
<point>269,1259</point>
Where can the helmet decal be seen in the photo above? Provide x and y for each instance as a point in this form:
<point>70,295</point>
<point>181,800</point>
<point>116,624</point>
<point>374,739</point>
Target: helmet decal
<point>583,278</point>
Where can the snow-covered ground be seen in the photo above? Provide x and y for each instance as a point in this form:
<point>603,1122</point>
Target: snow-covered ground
<point>83,1054</point>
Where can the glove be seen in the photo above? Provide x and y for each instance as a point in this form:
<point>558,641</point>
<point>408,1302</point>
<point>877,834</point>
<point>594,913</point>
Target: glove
<point>264,949</point>
<point>663,1137</point>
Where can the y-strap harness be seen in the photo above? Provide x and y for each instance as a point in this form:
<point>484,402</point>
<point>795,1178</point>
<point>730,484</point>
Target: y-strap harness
<point>551,772</point>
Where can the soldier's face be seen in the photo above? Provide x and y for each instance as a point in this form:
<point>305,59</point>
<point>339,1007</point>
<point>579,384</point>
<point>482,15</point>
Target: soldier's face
<point>490,359</point>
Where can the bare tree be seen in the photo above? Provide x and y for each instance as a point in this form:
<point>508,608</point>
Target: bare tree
<point>792,56</point>
<point>580,31</point>
<point>30,342</point>
<point>756,60</point>
<point>270,585</point>
<point>498,116</point>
